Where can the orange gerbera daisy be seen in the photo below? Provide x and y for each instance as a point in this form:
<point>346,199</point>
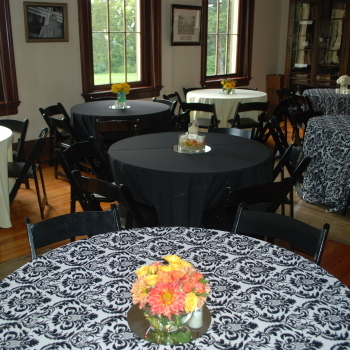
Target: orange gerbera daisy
<point>139,292</point>
<point>166,299</point>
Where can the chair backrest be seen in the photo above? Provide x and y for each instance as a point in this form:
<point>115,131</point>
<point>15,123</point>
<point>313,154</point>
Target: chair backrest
<point>171,104</point>
<point>203,107</point>
<point>102,98</point>
<point>63,227</point>
<point>246,88</point>
<point>89,153</point>
<point>284,93</point>
<point>280,112</point>
<point>182,120</point>
<point>33,156</point>
<point>59,125</point>
<point>281,143</point>
<point>116,193</point>
<point>270,195</point>
<point>175,97</point>
<point>109,131</point>
<point>87,202</point>
<point>19,127</point>
<point>54,110</point>
<point>233,131</point>
<point>292,159</point>
<point>250,107</point>
<point>186,90</point>
<point>300,235</point>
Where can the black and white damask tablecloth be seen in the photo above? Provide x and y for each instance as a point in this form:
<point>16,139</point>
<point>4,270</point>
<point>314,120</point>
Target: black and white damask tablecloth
<point>327,179</point>
<point>328,101</point>
<point>263,297</point>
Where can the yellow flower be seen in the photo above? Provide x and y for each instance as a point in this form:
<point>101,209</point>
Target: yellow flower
<point>172,259</point>
<point>191,302</point>
<point>125,87</point>
<point>151,280</point>
<point>142,271</point>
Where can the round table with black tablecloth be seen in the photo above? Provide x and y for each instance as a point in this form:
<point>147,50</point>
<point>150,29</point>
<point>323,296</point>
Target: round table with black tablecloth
<point>182,186</point>
<point>264,297</point>
<point>153,116</point>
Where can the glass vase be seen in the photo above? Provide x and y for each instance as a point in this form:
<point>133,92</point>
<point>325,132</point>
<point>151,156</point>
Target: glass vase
<point>168,332</point>
<point>227,91</point>
<point>343,89</point>
<point>121,102</point>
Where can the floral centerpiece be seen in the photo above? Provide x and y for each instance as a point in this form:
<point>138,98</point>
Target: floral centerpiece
<point>343,81</point>
<point>228,85</point>
<point>168,293</point>
<point>122,89</point>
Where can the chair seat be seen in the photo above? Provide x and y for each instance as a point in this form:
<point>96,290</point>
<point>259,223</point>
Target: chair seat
<point>14,169</point>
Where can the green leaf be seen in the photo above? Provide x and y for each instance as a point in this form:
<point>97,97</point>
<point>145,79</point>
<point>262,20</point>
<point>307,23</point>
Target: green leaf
<point>182,337</point>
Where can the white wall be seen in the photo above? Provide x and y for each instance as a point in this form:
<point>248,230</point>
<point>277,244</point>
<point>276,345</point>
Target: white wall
<point>48,73</point>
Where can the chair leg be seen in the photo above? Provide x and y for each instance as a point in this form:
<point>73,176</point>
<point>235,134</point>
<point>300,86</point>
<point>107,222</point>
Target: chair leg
<point>72,202</point>
<point>51,140</point>
<point>42,201</point>
<point>26,182</point>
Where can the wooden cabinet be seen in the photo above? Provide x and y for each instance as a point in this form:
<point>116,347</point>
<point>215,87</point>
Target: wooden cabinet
<point>318,43</point>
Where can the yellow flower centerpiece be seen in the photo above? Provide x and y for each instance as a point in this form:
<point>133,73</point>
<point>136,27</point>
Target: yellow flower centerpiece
<point>228,85</point>
<point>122,89</point>
<point>168,293</point>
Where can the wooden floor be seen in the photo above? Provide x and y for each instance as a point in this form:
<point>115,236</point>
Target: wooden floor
<point>14,244</point>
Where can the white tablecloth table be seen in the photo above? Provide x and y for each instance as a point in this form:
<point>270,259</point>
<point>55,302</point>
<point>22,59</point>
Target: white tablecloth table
<point>263,297</point>
<point>225,104</point>
<point>5,183</point>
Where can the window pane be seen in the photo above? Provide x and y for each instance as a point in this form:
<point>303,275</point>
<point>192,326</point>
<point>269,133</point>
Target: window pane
<point>116,41</point>
<point>222,47</point>
<point>212,16</point>
<point>223,13</point>
<point>100,57</point>
<point>117,51</point>
<point>211,55</point>
<point>131,11</point>
<point>133,61</point>
<point>221,55</point>
<point>99,15</point>
<point>232,49</point>
<point>116,15</point>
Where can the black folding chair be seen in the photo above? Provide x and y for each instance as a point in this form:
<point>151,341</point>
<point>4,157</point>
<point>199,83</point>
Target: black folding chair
<point>269,196</point>
<point>20,127</point>
<point>22,171</point>
<point>47,113</point>
<point>70,226</point>
<point>300,235</point>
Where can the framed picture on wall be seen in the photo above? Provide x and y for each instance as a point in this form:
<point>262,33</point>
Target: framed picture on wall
<point>45,21</point>
<point>186,25</point>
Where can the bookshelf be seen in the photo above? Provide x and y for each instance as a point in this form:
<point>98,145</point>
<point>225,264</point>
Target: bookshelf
<point>318,43</point>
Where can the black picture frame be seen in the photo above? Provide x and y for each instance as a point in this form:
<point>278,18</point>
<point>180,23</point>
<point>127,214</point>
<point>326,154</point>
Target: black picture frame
<point>186,24</point>
<point>45,21</point>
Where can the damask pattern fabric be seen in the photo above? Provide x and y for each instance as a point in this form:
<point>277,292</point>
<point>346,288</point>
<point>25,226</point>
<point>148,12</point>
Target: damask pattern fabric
<point>327,101</point>
<point>263,296</point>
<point>327,178</point>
